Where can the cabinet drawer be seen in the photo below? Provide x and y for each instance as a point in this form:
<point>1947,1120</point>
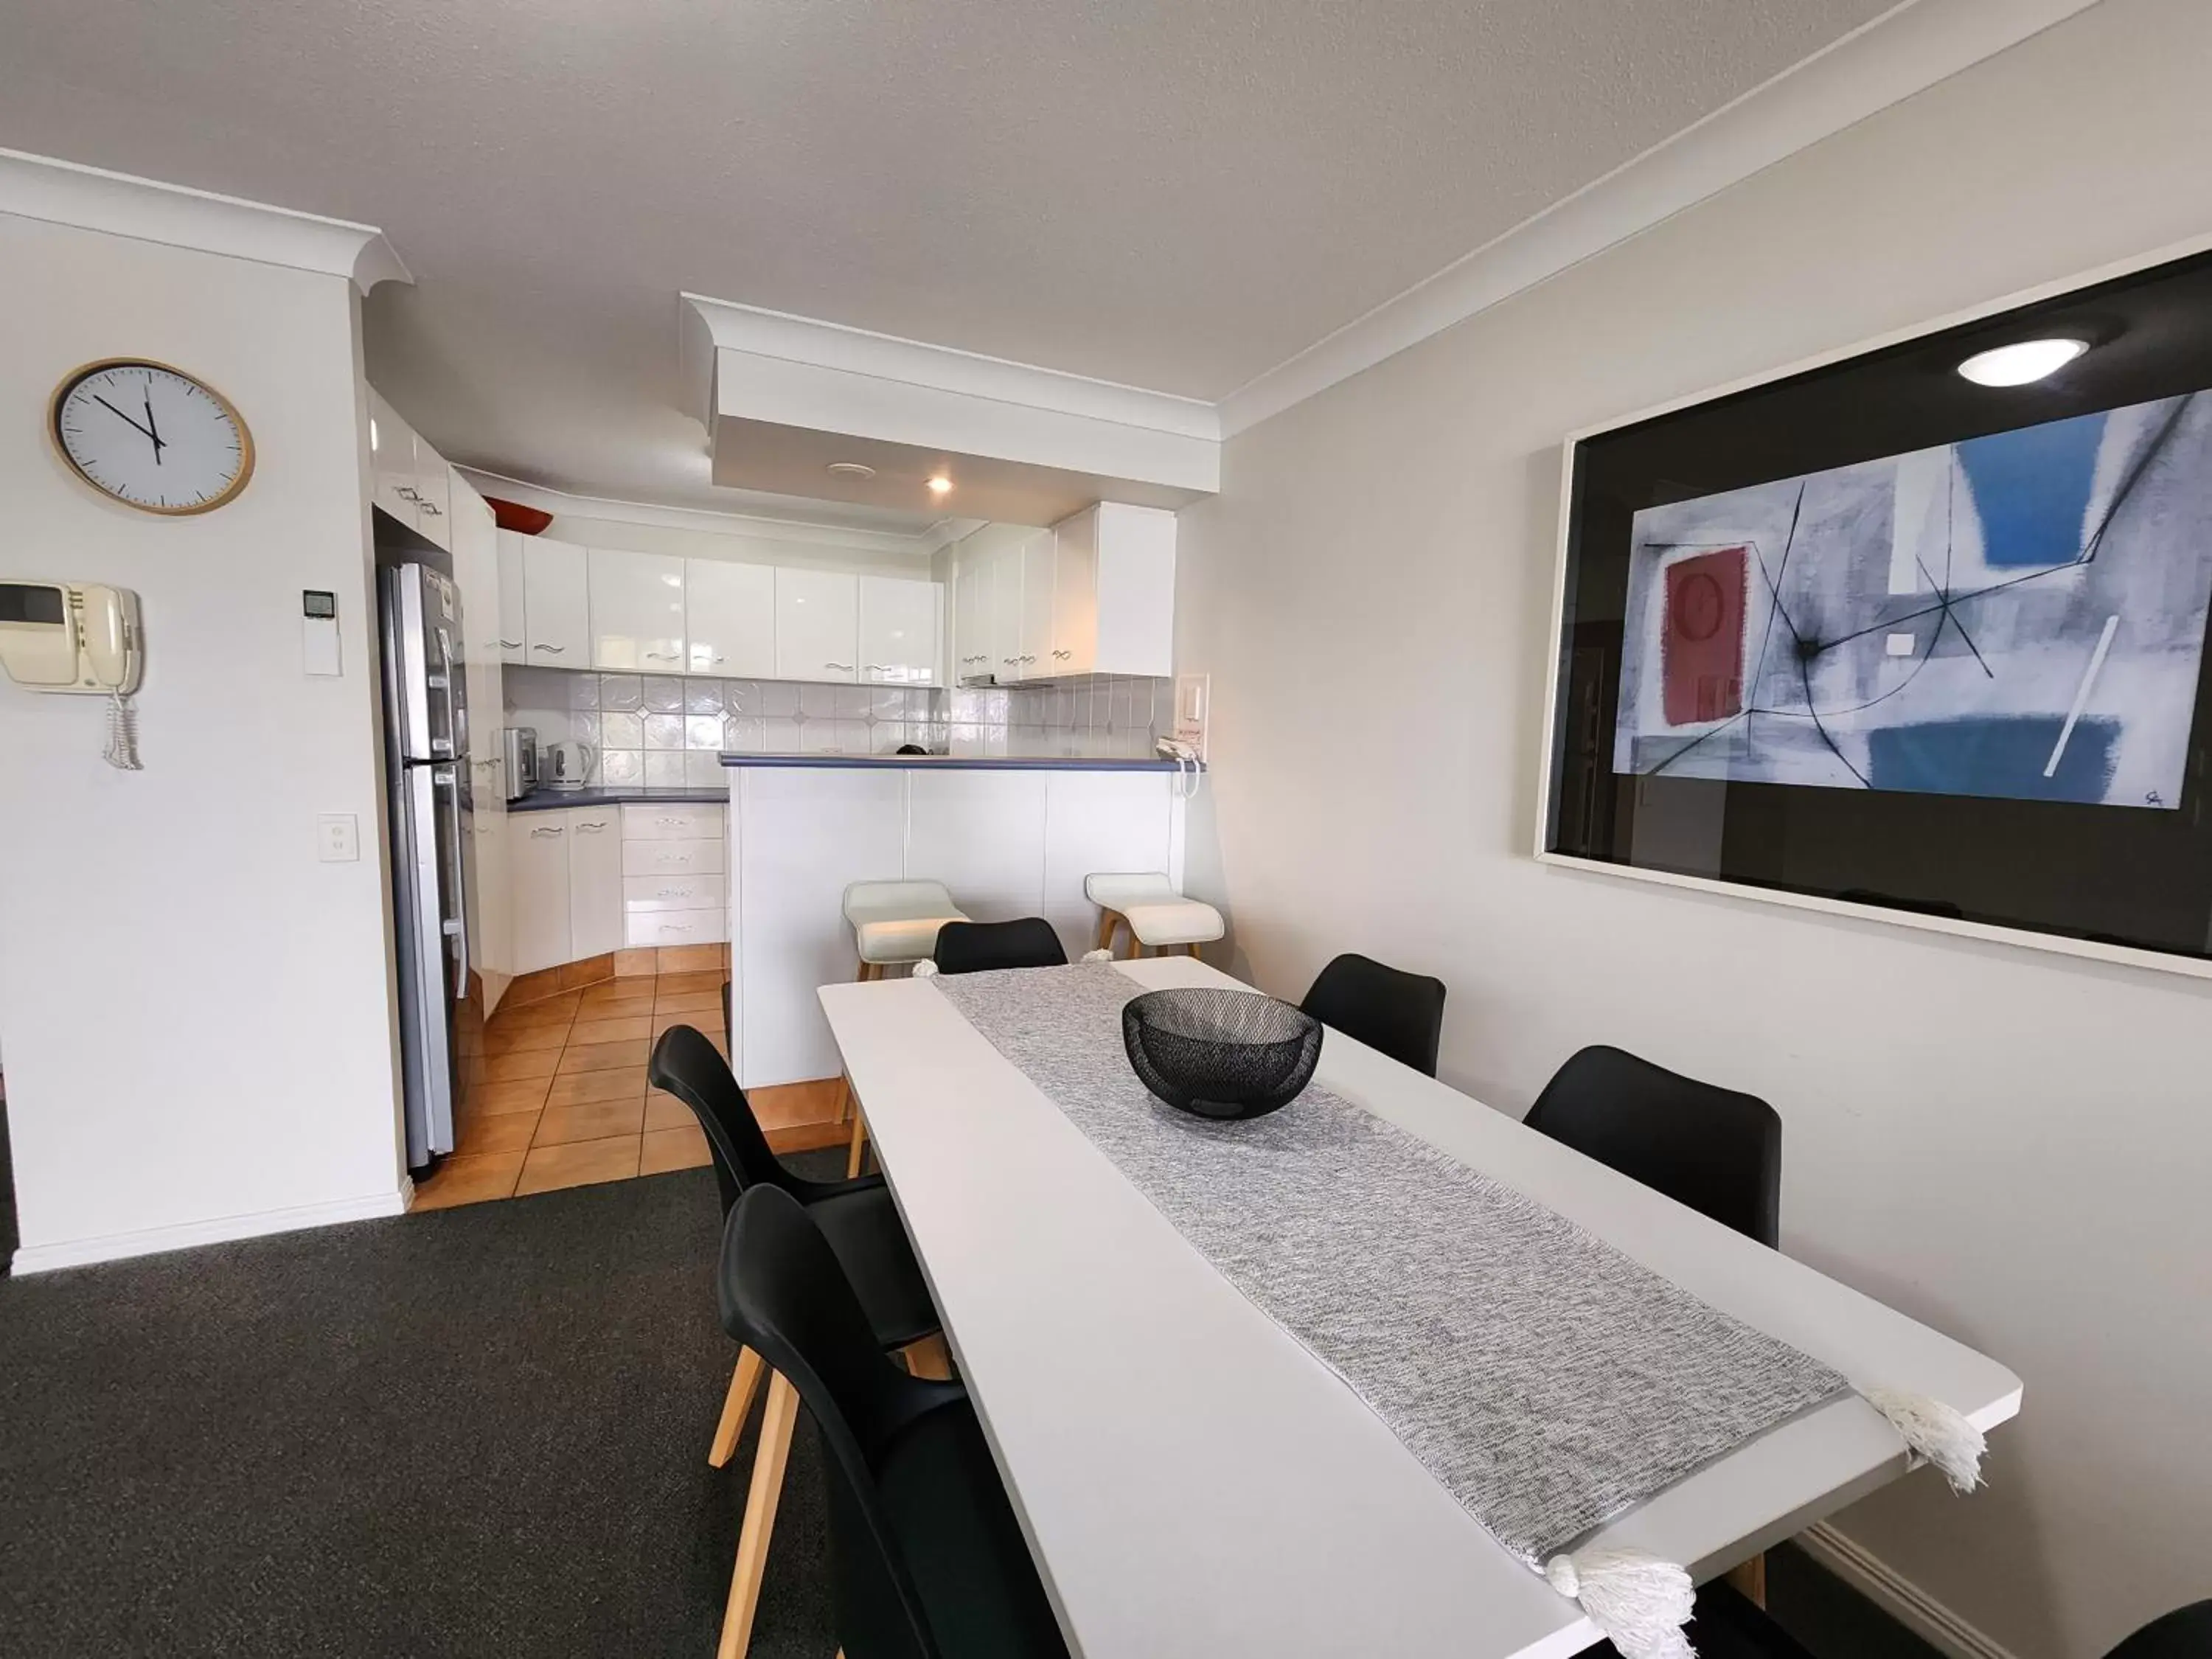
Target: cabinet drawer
<point>645,894</point>
<point>672,858</point>
<point>643,821</point>
<point>641,928</point>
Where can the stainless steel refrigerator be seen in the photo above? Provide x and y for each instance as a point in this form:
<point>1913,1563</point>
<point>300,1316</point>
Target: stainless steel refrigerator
<point>426,726</point>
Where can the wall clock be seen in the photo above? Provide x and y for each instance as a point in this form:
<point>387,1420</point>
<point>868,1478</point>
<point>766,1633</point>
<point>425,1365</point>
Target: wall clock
<point>151,436</point>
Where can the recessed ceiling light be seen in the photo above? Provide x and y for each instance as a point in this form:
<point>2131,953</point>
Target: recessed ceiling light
<point>940,485</point>
<point>852,470</point>
<point>2021,364</point>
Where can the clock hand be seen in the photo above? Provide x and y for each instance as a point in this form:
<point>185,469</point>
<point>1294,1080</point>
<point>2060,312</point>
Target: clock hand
<point>153,431</point>
<point>120,416</point>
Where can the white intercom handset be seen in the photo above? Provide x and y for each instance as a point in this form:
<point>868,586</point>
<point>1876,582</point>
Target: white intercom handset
<point>56,637</point>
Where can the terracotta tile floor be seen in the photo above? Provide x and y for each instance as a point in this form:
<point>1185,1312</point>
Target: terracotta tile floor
<point>561,1099</point>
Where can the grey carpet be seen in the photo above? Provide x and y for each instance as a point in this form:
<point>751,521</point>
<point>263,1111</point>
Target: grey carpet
<point>474,1432</point>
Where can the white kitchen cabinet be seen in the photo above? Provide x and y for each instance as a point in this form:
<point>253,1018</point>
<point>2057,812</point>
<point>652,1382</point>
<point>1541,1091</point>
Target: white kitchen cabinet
<point>699,857</point>
<point>1005,577</point>
<point>537,887</point>
<point>643,929</point>
<point>678,892</point>
<point>509,638</point>
<point>390,461</point>
<point>557,610</point>
<point>1035,643</point>
<point>971,622</point>
<point>637,611</point>
<point>595,881</point>
<point>730,618</point>
<point>433,496</point>
<point>677,820</point>
<point>1075,596</point>
<point>475,573</point>
<point>1132,553</point>
<point>898,631</point>
<point>817,624</point>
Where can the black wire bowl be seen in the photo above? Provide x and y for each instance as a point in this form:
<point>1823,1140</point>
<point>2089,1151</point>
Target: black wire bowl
<point>1220,1054</point>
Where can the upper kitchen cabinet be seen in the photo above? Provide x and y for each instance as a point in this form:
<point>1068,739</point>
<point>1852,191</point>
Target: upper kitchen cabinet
<point>556,612</point>
<point>510,636</point>
<point>1033,642</point>
<point>636,602</point>
<point>730,618</point>
<point>899,621</point>
<point>817,624</point>
<point>971,622</point>
<point>408,479</point>
<point>1122,621</point>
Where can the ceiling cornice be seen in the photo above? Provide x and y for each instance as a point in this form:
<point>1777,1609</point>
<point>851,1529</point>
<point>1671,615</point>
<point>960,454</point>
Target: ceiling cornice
<point>1905,51</point>
<point>711,324</point>
<point>92,198</point>
<point>918,543</point>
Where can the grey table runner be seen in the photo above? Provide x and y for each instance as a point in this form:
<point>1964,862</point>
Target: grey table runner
<point>1545,1380</point>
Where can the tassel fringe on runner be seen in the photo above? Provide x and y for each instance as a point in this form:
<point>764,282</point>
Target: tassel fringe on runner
<point>1934,1433</point>
<point>1640,1603</point>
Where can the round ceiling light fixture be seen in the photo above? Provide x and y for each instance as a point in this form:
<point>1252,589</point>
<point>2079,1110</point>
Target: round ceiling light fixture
<point>851,470</point>
<point>2022,363</point>
<point>940,485</point>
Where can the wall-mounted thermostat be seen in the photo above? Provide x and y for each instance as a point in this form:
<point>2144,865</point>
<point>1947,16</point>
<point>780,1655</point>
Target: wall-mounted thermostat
<point>318,631</point>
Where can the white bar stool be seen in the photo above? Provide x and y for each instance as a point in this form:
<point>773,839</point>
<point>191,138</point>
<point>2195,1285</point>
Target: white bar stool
<point>894,922</point>
<point>1156,914</point>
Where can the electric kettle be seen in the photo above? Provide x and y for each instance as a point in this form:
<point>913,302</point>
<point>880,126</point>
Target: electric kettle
<point>566,765</point>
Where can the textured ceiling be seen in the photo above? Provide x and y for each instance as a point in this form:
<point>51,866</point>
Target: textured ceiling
<point>1172,194</point>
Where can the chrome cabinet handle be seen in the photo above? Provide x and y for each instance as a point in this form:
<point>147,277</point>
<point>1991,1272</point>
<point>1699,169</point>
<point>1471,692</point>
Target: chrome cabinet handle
<point>591,829</point>
<point>510,645</point>
<point>842,667</point>
<point>430,507</point>
<point>405,494</point>
<point>673,892</point>
<point>549,647</point>
<point>553,831</point>
<point>659,656</point>
<point>722,658</point>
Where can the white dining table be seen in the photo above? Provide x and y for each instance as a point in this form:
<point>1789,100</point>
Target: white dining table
<point>1191,1480</point>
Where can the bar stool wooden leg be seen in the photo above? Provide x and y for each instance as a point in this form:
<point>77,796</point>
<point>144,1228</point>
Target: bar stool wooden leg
<point>1109,924</point>
<point>736,1405</point>
<point>929,1357</point>
<point>860,1148</point>
<point>777,1426</point>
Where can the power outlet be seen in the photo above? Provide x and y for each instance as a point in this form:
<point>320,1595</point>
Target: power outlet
<point>338,837</point>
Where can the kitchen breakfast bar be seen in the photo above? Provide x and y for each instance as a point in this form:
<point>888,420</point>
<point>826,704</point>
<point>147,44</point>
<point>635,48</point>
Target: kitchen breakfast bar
<point>1008,836</point>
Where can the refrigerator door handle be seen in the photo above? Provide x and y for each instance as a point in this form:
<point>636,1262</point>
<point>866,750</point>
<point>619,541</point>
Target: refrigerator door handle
<point>456,926</point>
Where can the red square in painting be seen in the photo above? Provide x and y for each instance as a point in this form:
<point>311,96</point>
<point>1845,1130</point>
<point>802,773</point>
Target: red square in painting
<point>1701,637</point>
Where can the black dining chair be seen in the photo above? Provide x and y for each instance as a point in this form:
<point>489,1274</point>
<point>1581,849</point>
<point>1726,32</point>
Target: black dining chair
<point>1399,1013</point>
<point>972,947</point>
<point>1713,1149</point>
<point>926,1560</point>
<point>862,1227</point>
<point>2184,1633</point>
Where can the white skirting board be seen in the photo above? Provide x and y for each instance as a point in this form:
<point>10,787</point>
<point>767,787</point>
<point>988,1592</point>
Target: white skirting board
<point>1902,1599</point>
<point>116,1246</point>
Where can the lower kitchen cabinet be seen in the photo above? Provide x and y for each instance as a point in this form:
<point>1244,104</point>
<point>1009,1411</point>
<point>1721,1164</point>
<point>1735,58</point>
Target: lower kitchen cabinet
<point>537,873</point>
<point>586,881</point>
<point>595,881</point>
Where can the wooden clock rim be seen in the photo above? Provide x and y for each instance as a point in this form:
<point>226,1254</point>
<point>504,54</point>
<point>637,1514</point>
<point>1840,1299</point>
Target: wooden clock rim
<point>82,371</point>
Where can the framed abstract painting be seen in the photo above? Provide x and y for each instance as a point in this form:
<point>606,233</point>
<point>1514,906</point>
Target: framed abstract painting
<point>1918,631</point>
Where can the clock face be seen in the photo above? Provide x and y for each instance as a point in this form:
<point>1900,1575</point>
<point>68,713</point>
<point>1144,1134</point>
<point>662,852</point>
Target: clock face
<point>152,437</point>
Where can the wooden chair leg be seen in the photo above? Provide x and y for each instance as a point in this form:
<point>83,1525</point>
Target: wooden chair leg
<point>736,1405</point>
<point>929,1357</point>
<point>776,1425</point>
<point>844,1098</point>
<point>1108,924</point>
<point>859,1152</point>
<point>1748,1578</point>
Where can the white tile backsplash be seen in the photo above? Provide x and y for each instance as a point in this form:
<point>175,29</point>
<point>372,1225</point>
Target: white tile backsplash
<point>664,732</point>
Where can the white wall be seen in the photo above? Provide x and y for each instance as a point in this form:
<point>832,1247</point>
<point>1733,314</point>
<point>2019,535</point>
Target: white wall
<point>195,1015</point>
<point>2011,1145</point>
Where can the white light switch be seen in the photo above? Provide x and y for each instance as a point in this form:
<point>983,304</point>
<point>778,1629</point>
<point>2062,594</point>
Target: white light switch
<point>1899,645</point>
<point>339,837</point>
<point>319,633</point>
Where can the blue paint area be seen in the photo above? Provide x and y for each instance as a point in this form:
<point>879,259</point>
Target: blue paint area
<point>2031,488</point>
<point>1999,755</point>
